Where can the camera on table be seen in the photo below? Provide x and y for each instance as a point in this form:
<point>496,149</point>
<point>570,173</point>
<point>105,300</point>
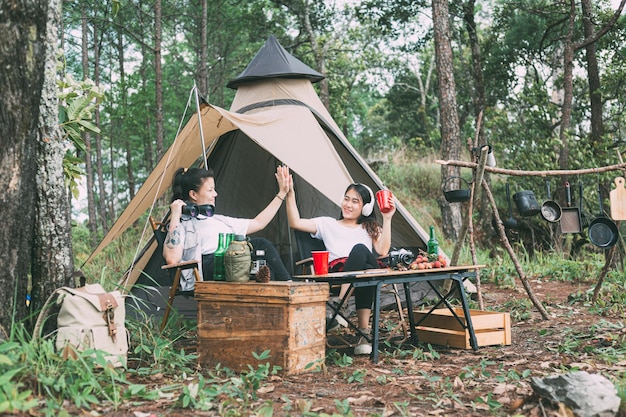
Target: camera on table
<point>400,257</point>
<point>197,210</point>
<point>258,260</point>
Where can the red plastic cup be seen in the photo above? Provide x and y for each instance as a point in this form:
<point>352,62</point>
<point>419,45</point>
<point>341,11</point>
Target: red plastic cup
<point>384,197</point>
<point>320,262</point>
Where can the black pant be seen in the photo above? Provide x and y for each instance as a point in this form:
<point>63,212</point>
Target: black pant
<point>279,272</point>
<point>277,268</point>
<point>361,258</point>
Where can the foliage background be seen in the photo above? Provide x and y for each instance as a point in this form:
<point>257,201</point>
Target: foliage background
<point>381,88</point>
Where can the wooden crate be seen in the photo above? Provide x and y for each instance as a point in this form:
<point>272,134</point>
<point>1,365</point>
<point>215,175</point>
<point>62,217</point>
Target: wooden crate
<point>287,318</point>
<point>442,328</point>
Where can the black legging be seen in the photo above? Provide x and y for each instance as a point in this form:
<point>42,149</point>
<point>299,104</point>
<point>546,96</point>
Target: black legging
<point>361,258</point>
<point>279,272</point>
<point>277,268</point>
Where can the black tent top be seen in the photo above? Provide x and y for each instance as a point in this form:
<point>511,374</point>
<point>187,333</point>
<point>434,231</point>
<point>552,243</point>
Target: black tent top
<point>273,61</point>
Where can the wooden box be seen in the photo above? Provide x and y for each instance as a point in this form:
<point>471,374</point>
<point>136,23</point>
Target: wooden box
<point>286,318</point>
<point>442,328</point>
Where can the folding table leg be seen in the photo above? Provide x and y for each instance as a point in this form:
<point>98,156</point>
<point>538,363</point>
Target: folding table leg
<point>466,312</point>
<point>170,300</point>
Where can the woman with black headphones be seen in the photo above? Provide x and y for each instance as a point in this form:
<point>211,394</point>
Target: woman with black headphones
<point>354,241</point>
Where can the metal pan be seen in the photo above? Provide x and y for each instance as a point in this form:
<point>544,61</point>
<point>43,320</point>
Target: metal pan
<point>550,210</point>
<point>570,216</point>
<point>603,231</point>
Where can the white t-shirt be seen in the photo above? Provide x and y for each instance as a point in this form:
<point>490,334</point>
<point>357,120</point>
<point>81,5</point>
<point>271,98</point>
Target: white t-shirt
<point>201,237</point>
<point>339,239</point>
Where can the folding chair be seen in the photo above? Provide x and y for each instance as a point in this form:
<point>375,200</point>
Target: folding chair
<point>306,244</point>
<point>160,231</point>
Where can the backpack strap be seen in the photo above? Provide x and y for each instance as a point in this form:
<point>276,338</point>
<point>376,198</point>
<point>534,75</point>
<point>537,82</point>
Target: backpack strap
<point>43,314</point>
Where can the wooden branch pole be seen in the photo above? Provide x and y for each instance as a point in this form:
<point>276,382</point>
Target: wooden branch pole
<point>552,173</point>
<point>478,179</point>
<point>468,225</point>
<point>509,249</point>
<point>608,260</point>
<point>479,169</point>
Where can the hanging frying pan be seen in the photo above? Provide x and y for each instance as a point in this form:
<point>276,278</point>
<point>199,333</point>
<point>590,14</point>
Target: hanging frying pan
<point>570,216</point>
<point>602,231</point>
<point>550,210</point>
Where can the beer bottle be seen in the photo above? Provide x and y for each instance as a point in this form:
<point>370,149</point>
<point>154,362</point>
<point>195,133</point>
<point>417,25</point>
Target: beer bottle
<point>218,259</point>
<point>433,244</point>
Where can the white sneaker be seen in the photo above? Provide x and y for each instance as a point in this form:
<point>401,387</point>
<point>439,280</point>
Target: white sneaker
<point>363,347</point>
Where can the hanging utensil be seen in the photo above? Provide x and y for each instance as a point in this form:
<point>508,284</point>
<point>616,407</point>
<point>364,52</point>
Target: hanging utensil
<point>526,203</point>
<point>570,216</point>
<point>584,216</point>
<point>550,210</point>
<point>618,200</point>
<point>509,223</point>
<point>603,232</point>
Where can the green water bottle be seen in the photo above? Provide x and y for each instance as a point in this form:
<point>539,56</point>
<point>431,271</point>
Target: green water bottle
<point>218,259</point>
<point>433,244</point>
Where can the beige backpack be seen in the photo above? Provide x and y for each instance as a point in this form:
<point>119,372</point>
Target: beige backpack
<point>89,318</point>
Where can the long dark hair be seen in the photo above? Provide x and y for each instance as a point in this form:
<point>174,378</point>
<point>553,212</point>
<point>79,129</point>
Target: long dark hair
<point>188,179</point>
<point>369,223</point>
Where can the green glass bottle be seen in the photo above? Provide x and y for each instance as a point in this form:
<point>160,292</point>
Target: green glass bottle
<point>218,259</point>
<point>229,238</point>
<point>433,244</point>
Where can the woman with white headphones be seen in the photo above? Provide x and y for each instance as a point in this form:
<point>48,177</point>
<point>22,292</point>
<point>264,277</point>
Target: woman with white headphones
<point>354,241</point>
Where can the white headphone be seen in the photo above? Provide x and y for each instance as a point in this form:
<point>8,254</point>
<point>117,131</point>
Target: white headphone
<point>368,207</point>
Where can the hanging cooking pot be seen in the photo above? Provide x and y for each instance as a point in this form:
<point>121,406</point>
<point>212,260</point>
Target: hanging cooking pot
<point>509,223</point>
<point>550,209</point>
<point>570,216</point>
<point>602,231</point>
<point>456,196</point>
<point>526,203</point>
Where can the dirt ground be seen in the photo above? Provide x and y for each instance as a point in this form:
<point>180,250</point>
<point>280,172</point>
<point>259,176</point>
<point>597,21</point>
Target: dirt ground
<point>456,382</point>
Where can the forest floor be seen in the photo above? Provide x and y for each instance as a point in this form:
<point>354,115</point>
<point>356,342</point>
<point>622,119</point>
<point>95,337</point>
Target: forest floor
<point>440,381</point>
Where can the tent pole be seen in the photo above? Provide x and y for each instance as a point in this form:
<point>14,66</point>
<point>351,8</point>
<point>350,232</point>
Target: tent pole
<point>195,89</point>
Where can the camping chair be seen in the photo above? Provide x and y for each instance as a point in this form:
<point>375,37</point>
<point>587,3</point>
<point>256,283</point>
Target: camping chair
<point>306,244</point>
<point>160,231</point>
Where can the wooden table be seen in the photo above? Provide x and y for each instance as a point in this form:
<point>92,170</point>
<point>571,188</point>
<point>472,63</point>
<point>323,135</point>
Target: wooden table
<point>379,277</point>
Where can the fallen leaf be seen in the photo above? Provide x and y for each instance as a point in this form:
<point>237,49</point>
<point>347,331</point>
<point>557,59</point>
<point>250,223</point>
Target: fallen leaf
<point>458,384</point>
<point>266,388</point>
<point>359,401</point>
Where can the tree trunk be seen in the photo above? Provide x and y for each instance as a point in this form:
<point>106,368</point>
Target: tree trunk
<point>92,223</point>
<point>33,199</point>
<point>52,250</point>
<point>593,77</point>
<point>478,99</point>
<point>124,111</point>
<point>158,76</point>
<point>450,131</point>
<point>203,76</point>
<point>149,154</point>
<point>568,89</point>
<point>102,197</point>
<point>319,52</point>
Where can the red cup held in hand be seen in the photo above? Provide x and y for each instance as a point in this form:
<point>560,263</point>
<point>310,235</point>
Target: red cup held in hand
<point>320,262</point>
<point>384,197</point>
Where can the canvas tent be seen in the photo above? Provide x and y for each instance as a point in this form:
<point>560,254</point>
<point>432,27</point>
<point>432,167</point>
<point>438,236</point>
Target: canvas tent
<point>276,118</point>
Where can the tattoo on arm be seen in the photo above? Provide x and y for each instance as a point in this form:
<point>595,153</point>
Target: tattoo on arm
<point>173,238</point>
